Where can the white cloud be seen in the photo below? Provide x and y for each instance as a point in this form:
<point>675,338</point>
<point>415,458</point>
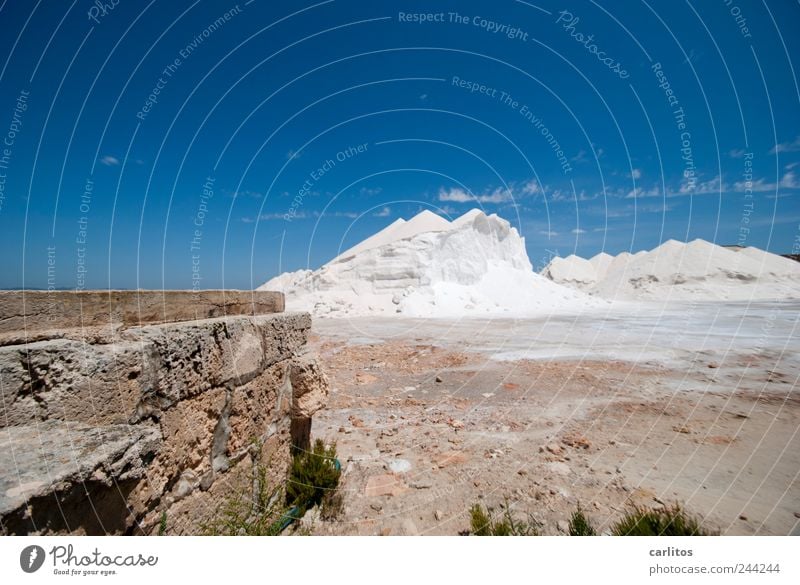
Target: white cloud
<point>636,174</point>
<point>578,231</point>
<point>548,233</point>
<point>531,187</point>
<point>758,186</point>
<point>793,146</point>
<point>292,155</point>
<point>711,186</point>
<point>109,161</point>
<point>639,192</point>
<point>369,192</point>
<point>385,212</point>
<point>737,153</point>
<point>457,195</point>
<point>790,181</point>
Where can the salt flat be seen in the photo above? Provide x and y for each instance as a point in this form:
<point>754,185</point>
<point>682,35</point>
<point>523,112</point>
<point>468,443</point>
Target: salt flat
<point>657,333</point>
<point>641,404</point>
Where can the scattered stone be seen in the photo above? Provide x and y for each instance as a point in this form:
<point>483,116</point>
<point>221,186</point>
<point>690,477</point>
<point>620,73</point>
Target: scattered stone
<point>439,380</point>
<point>742,517</point>
<point>363,378</point>
<point>385,484</point>
<point>681,429</point>
<point>456,424</point>
<point>577,442</point>
<point>385,532</point>
<point>355,421</point>
<point>563,526</point>
<point>487,394</point>
<point>438,514</point>
<point>376,507</point>
<point>559,468</point>
<point>399,465</point>
<point>554,449</point>
<point>450,458</point>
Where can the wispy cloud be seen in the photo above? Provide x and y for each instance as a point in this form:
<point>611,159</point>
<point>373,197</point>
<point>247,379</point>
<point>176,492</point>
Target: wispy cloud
<point>458,195</point>
<point>245,193</point>
<point>639,192</point>
<point>793,146</point>
<point>531,187</point>
<point>384,212</point>
<point>578,231</point>
<point>636,174</point>
<point>369,191</point>
<point>293,155</point>
<point>109,161</point>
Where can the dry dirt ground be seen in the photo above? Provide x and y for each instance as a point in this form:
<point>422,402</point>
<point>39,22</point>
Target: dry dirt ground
<point>426,425</point>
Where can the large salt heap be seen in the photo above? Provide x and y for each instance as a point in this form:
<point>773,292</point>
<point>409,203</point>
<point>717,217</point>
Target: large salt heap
<point>428,266</point>
<point>697,270</point>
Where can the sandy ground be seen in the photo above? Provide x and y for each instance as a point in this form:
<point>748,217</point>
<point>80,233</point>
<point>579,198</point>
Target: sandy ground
<point>696,404</point>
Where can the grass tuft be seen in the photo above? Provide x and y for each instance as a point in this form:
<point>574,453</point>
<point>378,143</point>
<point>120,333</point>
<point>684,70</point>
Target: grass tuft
<point>579,524</point>
<point>482,523</point>
<point>667,521</point>
<point>313,479</point>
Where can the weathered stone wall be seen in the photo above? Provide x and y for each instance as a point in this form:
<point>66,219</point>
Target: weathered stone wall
<point>106,432</point>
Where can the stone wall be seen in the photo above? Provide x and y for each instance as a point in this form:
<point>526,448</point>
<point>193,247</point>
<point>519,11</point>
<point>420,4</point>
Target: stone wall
<point>108,431</point>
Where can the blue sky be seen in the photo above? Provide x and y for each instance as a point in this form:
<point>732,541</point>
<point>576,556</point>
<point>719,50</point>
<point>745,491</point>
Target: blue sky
<point>214,144</point>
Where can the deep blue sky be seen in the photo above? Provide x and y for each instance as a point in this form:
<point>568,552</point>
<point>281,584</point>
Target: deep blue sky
<point>260,101</point>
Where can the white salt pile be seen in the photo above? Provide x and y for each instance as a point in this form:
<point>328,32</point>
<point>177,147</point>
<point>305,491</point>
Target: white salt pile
<point>696,270</point>
<point>428,266</point>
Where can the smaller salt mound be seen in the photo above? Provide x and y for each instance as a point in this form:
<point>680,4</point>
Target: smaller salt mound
<point>698,270</point>
<point>572,271</point>
<point>772,263</point>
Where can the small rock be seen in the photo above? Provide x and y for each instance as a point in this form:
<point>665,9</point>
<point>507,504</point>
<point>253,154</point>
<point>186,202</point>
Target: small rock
<point>742,517</point>
<point>559,468</point>
<point>376,507</point>
<point>797,514</point>
<point>456,424</point>
<point>399,465</point>
<point>385,532</point>
<point>439,379</point>
<point>554,449</point>
<point>384,485</point>
<point>563,526</point>
<point>438,514</point>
